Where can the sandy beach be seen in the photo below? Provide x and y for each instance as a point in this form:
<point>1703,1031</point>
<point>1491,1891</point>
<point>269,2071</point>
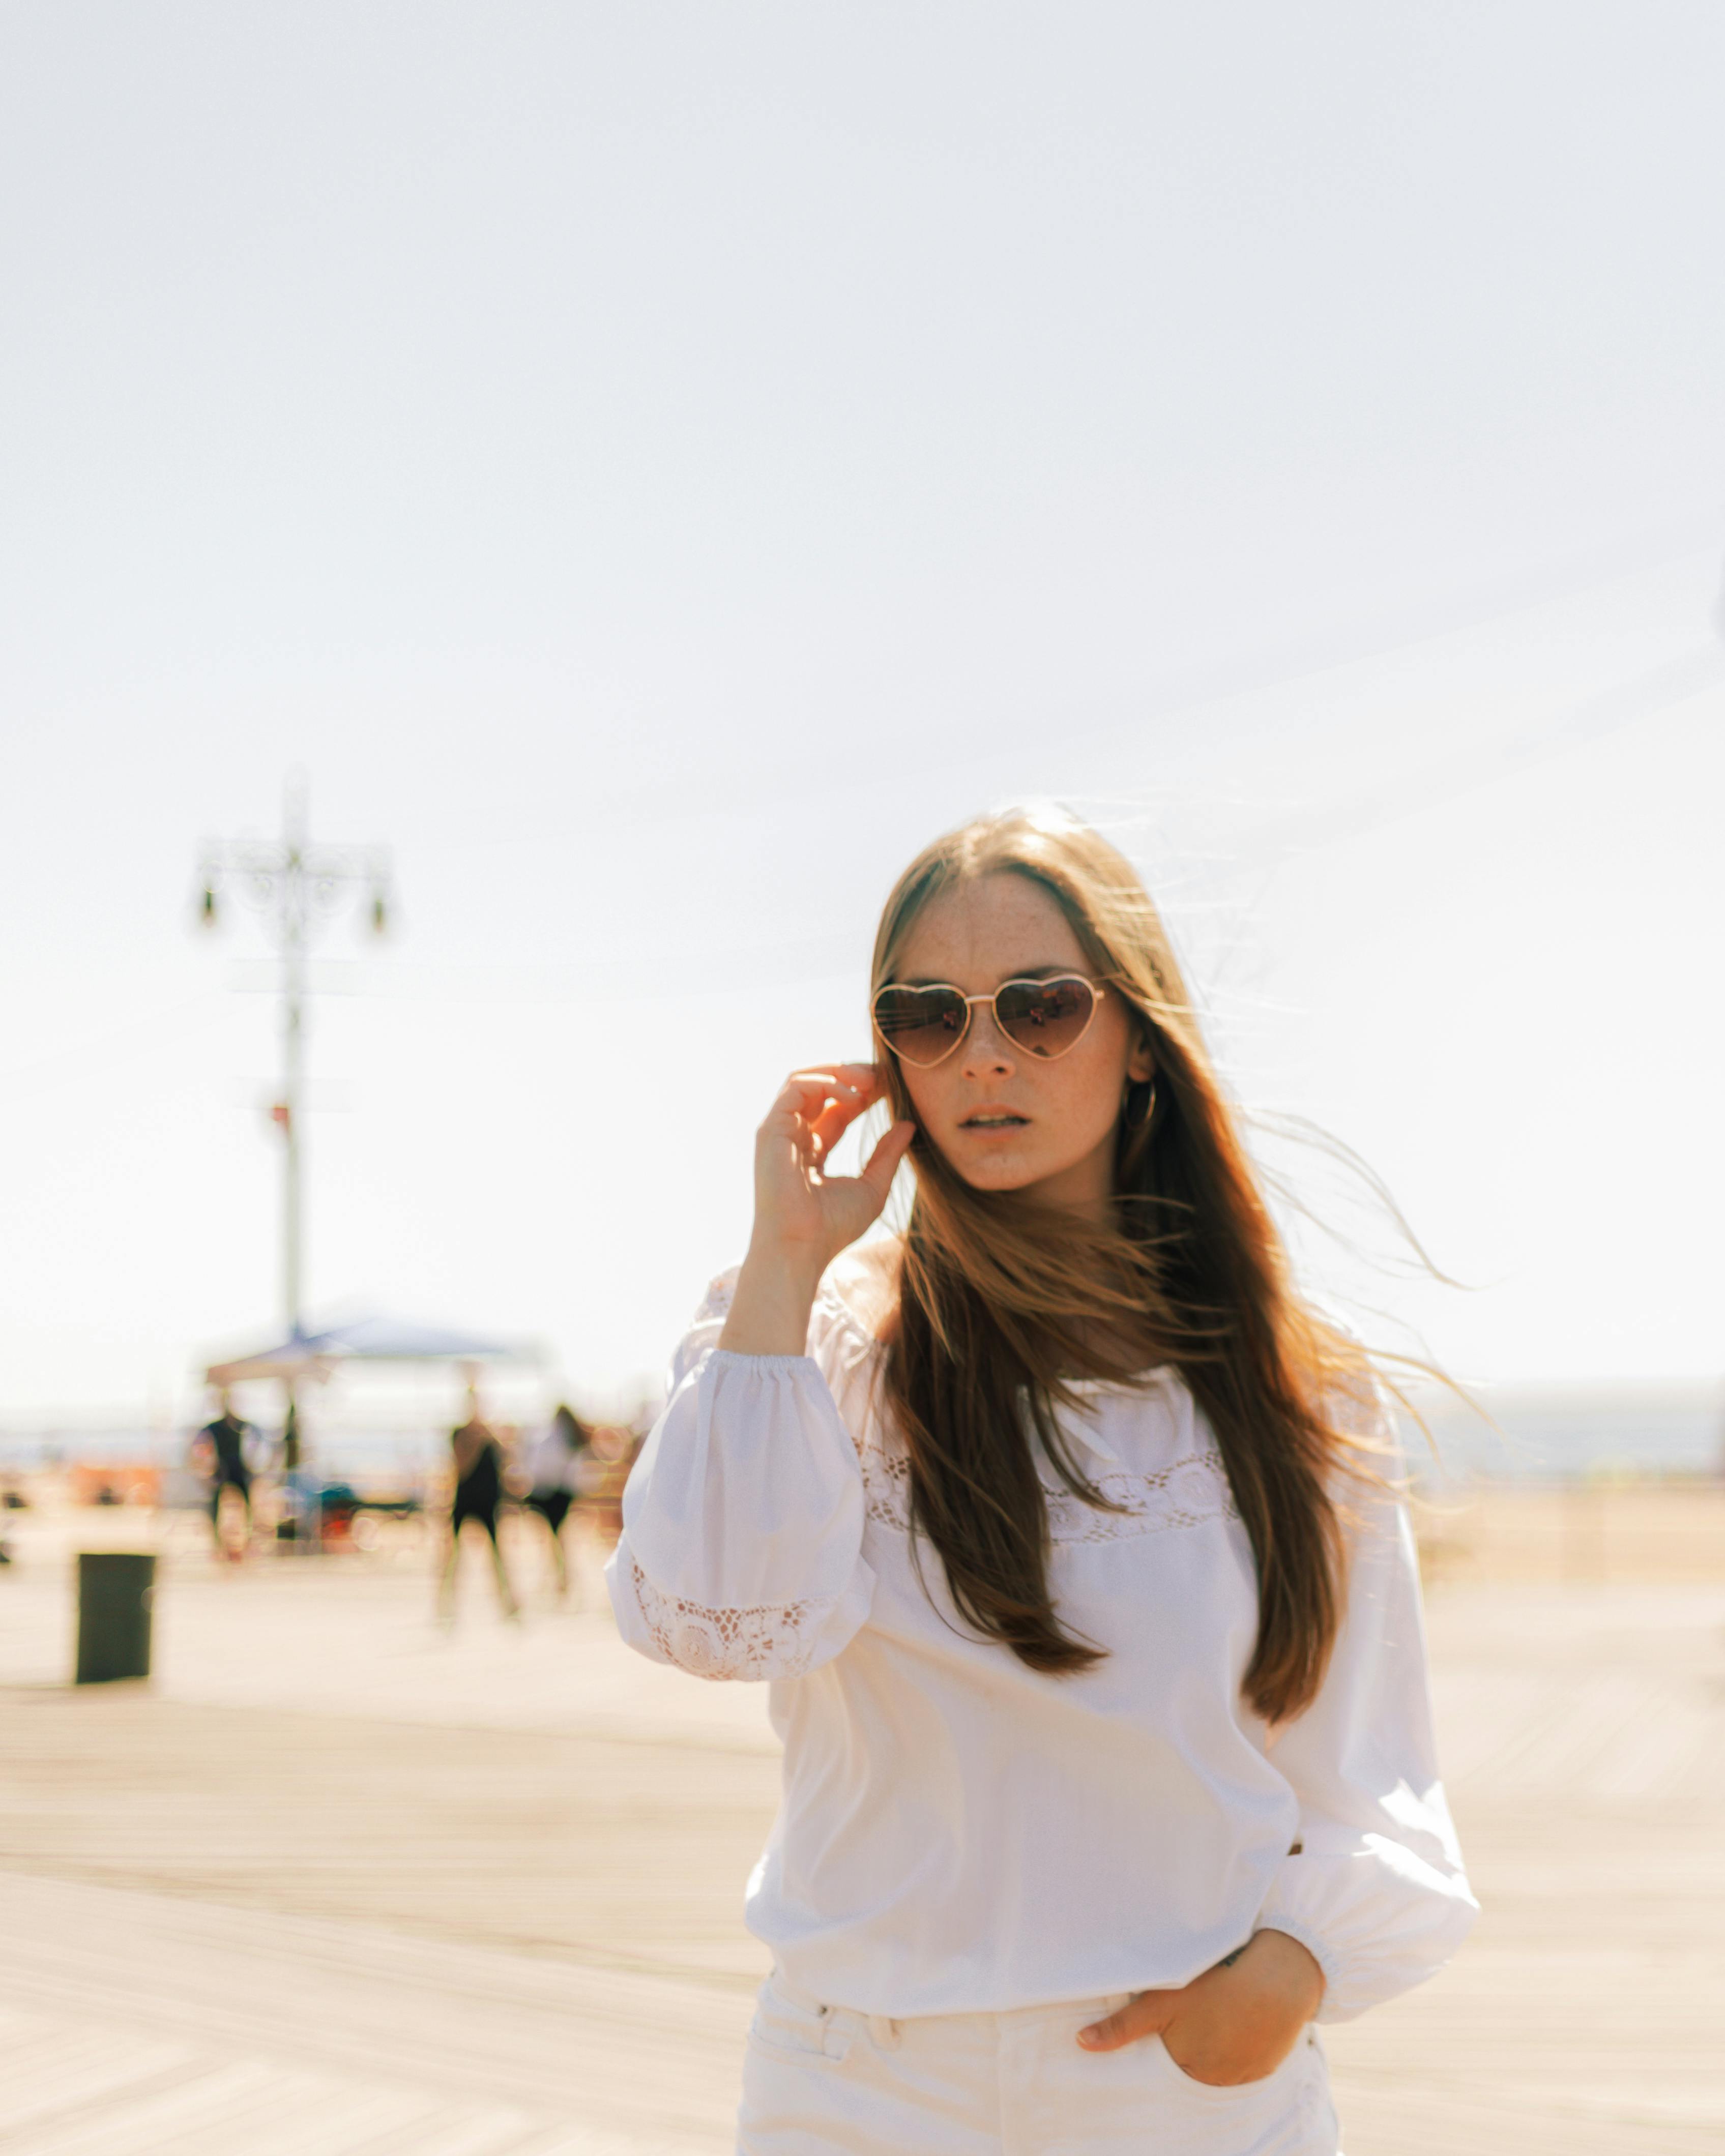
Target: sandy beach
<point>337,1881</point>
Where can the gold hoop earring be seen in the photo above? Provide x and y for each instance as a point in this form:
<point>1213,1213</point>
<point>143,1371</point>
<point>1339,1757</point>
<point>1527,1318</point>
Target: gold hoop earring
<point>1136,1114</point>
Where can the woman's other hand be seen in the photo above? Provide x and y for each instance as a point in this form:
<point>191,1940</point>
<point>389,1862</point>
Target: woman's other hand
<point>1236,2023</point>
<point>803,1217</point>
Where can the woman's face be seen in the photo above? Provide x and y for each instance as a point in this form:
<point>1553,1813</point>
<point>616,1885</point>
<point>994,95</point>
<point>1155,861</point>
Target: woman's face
<point>1008,1120</point>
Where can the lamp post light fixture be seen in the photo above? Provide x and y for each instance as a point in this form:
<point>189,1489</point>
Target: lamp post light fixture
<point>294,888</point>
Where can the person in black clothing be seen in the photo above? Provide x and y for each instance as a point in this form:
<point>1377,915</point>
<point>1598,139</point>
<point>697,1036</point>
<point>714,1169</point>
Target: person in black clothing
<point>479,1489</point>
<point>226,1437</point>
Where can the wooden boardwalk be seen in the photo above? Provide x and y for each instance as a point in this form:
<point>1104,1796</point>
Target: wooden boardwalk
<point>336,1882</point>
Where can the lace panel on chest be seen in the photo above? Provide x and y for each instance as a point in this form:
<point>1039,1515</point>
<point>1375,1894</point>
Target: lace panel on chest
<point>769,1642</point>
<point>1186,1494</point>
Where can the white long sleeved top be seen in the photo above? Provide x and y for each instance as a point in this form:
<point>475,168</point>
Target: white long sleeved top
<point>961,1833</point>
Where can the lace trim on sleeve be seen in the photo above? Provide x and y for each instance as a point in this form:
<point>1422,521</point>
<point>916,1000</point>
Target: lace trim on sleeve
<point>717,1302</point>
<point>778,1641</point>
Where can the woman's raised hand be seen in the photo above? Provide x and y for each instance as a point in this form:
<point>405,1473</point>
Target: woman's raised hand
<point>804,1217</point>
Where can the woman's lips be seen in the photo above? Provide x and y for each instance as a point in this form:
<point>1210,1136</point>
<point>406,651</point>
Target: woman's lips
<point>1001,1119</point>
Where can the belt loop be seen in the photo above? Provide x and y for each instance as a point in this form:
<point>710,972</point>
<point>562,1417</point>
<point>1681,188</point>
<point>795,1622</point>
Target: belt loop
<point>884,2032</point>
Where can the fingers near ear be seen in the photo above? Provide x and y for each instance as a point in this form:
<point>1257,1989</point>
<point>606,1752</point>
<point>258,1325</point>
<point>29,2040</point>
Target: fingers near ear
<point>808,1089</point>
<point>882,1163</point>
<point>806,1093</point>
<point>829,1126</point>
<point>843,1104</point>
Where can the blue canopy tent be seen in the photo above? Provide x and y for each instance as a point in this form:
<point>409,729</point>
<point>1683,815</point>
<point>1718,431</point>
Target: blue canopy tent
<point>314,1358</point>
<point>318,1355</point>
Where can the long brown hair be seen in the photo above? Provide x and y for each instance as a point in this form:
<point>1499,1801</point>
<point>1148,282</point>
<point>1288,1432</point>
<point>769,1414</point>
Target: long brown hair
<point>1000,1306</point>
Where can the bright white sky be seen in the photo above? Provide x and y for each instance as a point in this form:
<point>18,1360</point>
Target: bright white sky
<point>655,464</point>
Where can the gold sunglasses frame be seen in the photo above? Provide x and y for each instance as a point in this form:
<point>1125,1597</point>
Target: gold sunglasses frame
<point>1098,990</point>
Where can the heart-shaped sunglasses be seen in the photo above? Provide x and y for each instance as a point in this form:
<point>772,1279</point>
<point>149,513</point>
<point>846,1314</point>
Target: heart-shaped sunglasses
<point>925,1026</point>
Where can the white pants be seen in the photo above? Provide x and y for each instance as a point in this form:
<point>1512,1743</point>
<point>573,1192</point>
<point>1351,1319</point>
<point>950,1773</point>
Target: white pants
<point>822,2080</point>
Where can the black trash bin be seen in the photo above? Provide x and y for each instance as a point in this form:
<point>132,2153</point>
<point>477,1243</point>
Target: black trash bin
<point>116,1588</point>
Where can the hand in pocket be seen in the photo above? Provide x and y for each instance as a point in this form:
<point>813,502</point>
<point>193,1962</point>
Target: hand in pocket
<point>1234,2023</point>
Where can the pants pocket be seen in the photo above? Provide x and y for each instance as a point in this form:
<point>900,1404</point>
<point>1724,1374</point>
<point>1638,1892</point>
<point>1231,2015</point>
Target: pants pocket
<point>1284,2113</point>
<point>789,2026</point>
<point>1299,2064</point>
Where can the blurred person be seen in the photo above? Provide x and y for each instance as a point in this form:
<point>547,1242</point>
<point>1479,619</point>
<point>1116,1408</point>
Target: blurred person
<point>1066,1534</point>
<point>556,1470</point>
<point>301,1523</point>
<point>479,1491</point>
<point>226,1443</point>
<point>292,1442</point>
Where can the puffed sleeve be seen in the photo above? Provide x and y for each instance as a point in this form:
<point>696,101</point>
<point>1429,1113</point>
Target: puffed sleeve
<point>740,1554</point>
<point>1376,1890</point>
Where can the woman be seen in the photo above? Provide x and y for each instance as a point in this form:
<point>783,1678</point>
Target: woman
<point>556,1466</point>
<point>1058,1526</point>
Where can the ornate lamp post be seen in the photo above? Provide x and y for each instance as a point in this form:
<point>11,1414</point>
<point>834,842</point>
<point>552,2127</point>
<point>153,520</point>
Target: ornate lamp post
<point>295,887</point>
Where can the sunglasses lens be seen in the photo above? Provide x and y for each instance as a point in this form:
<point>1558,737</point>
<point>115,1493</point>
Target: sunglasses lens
<point>1045,1018</point>
<point>922,1025</point>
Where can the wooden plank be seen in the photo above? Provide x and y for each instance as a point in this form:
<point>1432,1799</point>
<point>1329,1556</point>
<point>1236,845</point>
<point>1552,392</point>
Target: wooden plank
<point>307,2031</point>
<point>337,1883</point>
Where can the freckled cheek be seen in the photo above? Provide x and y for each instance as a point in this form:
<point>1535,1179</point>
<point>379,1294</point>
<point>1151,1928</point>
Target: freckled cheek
<point>926,1104</point>
<point>1100,1076</point>
<point>1080,1112</point>
<point>1084,1116</point>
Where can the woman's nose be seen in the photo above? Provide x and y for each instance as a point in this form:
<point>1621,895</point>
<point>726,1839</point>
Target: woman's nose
<point>987,1048</point>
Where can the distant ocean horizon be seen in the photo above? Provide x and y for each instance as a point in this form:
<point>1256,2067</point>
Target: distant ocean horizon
<point>1544,1434</point>
<point>1534,1434</point>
